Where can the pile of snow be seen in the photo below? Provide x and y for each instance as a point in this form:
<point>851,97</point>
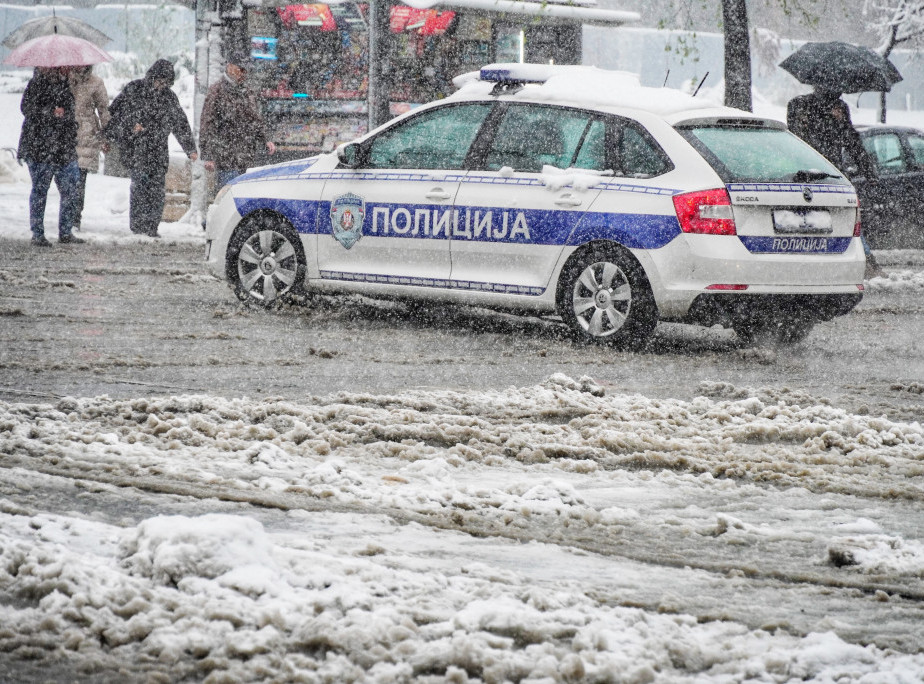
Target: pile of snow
<point>11,171</point>
<point>371,570</point>
<point>894,280</point>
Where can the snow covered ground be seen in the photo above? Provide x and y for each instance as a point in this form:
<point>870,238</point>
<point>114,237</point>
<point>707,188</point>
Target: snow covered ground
<point>564,532</point>
<point>452,536</point>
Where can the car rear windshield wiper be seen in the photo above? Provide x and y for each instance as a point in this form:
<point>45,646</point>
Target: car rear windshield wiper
<point>809,175</point>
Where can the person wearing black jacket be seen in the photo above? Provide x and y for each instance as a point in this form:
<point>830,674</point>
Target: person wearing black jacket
<point>143,116</point>
<point>48,146</point>
<point>822,119</point>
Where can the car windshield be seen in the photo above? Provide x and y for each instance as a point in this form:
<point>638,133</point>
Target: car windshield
<point>757,154</point>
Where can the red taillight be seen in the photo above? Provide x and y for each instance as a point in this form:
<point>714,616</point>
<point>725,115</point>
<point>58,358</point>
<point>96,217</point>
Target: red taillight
<point>857,231</point>
<point>706,211</point>
<point>735,287</point>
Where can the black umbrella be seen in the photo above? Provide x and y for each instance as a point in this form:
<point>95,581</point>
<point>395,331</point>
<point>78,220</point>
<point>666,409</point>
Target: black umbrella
<point>843,67</point>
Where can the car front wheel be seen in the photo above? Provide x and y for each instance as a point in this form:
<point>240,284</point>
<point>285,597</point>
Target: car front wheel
<point>604,297</point>
<point>266,261</point>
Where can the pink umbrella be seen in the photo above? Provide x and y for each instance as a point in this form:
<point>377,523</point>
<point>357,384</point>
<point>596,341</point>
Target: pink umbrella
<point>56,50</point>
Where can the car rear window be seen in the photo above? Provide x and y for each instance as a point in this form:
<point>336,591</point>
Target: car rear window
<point>756,154</point>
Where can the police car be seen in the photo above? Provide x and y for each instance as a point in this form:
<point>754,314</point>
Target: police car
<point>570,191</point>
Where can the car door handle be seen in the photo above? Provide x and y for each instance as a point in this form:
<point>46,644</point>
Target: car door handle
<point>438,194</point>
<point>568,200</point>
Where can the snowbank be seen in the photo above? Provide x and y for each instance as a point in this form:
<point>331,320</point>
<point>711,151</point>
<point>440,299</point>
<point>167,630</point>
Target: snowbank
<point>370,571</point>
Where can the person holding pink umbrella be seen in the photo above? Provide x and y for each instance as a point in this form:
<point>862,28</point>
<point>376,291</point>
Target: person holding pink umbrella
<point>48,146</point>
<point>48,141</point>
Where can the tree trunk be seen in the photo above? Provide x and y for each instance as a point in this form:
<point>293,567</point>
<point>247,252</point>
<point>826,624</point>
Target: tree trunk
<point>893,39</point>
<point>737,54</point>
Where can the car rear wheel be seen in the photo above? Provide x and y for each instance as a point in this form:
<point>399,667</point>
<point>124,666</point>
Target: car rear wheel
<point>266,261</point>
<point>605,297</point>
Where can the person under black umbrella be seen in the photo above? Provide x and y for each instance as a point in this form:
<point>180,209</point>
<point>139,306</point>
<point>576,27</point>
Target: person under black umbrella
<point>48,146</point>
<point>822,119</point>
<point>142,118</point>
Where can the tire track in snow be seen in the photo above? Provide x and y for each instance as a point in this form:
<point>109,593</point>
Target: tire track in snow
<point>630,548</point>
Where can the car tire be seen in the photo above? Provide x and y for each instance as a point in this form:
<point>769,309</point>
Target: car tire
<point>604,297</point>
<point>266,261</point>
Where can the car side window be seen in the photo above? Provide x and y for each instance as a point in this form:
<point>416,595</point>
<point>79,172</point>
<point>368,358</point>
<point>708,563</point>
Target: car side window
<point>532,136</point>
<point>886,151</point>
<point>637,154</point>
<point>437,139</point>
<point>592,154</point>
<point>916,143</point>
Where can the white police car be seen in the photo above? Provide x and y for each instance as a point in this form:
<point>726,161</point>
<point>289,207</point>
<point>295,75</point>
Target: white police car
<point>567,190</point>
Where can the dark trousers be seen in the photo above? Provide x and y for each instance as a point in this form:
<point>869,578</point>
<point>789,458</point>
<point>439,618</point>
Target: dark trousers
<point>66,178</point>
<point>78,200</point>
<point>146,203</point>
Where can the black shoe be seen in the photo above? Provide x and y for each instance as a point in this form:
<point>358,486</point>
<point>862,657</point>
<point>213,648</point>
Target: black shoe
<point>40,242</point>
<point>71,240</point>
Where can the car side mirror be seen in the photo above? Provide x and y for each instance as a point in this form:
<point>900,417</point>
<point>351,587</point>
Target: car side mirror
<point>349,154</point>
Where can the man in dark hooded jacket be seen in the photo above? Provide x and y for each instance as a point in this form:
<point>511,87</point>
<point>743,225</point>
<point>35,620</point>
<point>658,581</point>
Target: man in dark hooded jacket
<point>48,145</point>
<point>143,116</point>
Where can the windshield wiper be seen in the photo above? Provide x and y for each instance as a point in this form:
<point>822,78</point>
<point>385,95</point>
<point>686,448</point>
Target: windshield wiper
<point>809,175</point>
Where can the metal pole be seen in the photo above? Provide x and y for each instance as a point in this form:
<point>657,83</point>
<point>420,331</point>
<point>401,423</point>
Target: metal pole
<point>198,192</point>
<point>379,90</point>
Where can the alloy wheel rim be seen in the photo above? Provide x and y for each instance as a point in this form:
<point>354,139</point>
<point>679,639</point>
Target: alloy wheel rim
<point>601,299</point>
<point>267,265</point>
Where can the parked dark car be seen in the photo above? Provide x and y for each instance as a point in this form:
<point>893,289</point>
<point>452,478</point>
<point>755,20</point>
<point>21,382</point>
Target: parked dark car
<point>893,207</point>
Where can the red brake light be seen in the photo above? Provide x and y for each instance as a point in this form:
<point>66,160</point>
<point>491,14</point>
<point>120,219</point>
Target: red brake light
<point>857,229</point>
<point>706,211</point>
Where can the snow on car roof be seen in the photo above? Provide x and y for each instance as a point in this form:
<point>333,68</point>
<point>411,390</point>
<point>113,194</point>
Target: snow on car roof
<point>590,87</point>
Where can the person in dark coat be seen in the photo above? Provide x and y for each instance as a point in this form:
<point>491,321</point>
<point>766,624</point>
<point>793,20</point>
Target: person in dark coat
<point>822,119</point>
<point>142,118</point>
<point>48,146</point>
<point>231,127</point>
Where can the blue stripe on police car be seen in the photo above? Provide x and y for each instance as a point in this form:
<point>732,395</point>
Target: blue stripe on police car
<point>479,224</point>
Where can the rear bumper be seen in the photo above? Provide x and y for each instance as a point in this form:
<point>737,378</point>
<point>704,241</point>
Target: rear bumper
<point>691,266</point>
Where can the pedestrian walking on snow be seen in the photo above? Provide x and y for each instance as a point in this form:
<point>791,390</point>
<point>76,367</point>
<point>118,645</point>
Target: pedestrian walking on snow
<point>91,102</point>
<point>231,128</point>
<point>48,146</point>
<point>143,117</point>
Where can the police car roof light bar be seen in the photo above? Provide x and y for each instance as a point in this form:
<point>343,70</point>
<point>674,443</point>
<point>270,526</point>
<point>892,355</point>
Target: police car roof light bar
<point>527,73</point>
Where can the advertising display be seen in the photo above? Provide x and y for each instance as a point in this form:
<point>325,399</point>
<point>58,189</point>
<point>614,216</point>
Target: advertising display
<point>310,66</point>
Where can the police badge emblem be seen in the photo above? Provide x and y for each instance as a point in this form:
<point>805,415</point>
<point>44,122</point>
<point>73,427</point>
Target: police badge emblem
<point>347,214</point>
